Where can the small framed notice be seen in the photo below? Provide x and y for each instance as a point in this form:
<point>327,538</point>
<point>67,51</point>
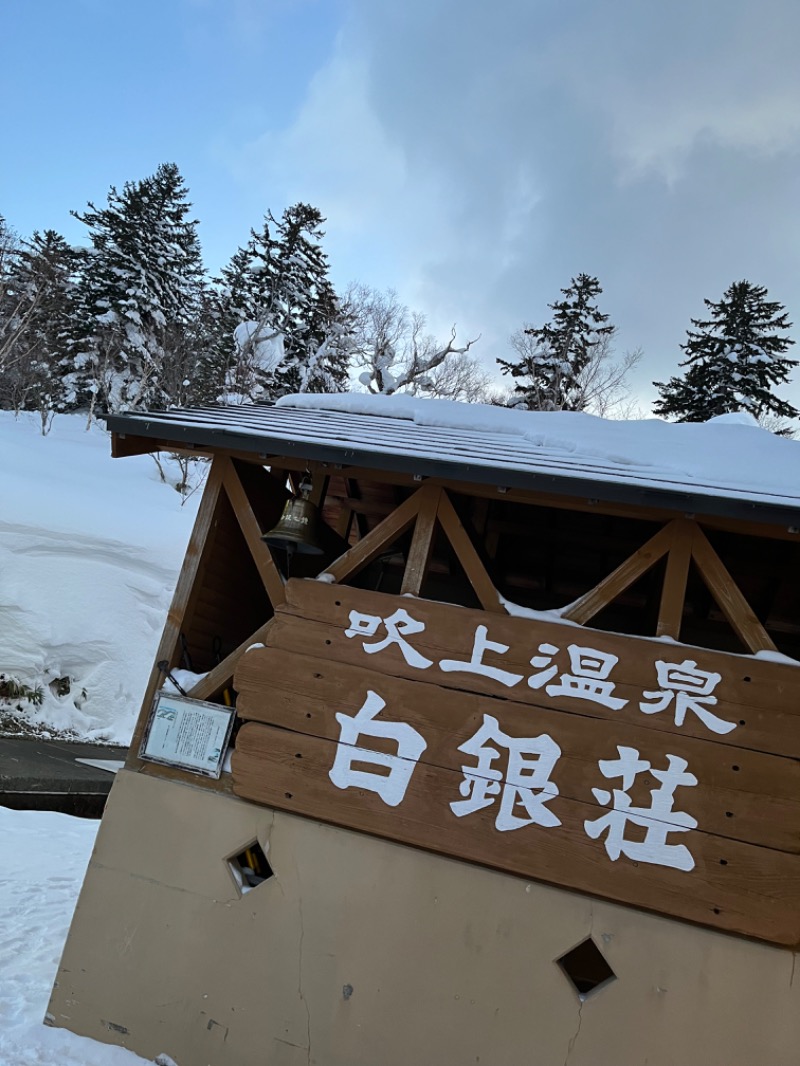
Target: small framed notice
<point>189,734</point>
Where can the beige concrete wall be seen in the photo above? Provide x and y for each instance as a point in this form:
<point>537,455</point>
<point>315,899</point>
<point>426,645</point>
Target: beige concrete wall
<point>449,964</point>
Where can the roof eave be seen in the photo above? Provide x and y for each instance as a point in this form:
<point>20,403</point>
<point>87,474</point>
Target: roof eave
<point>339,454</point>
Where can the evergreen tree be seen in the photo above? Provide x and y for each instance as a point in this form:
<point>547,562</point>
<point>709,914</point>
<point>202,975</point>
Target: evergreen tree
<point>733,361</point>
<point>279,327</point>
<point>550,372</point>
<point>140,289</point>
<point>41,284</point>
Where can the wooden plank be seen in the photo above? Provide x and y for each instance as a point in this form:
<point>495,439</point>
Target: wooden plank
<point>758,802</point>
<point>482,584</point>
<point>248,523</point>
<point>421,542</point>
<point>196,553</point>
<point>621,578</point>
<point>730,600</point>
<point>761,698</point>
<point>734,886</point>
<point>377,540</point>
<point>673,593</point>
<point>221,676</point>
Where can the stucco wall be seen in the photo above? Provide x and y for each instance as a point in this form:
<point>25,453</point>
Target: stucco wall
<point>448,963</point>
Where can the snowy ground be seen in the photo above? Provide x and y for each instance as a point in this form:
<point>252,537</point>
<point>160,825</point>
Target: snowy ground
<point>90,549</point>
<point>89,553</point>
<point>43,858</point>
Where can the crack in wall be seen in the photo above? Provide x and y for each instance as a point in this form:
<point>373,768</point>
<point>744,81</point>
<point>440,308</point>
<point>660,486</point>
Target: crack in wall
<point>300,962</point>
<point>581,1001</point>
<point>575,1035</point>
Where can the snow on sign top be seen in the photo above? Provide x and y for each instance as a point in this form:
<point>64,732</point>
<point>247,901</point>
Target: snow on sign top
<point>726,466</point>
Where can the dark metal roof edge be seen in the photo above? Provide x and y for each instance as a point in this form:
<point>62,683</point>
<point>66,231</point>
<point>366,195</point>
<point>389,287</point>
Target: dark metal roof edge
<point>559,484</point>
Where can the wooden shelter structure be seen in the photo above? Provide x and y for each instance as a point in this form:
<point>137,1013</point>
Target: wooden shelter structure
<point>514,772</point>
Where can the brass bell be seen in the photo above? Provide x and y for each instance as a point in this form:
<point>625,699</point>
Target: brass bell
<point>296,530</point>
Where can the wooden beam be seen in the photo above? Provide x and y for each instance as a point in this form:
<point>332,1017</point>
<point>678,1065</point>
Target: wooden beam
<point>476,489</point>
<point>422,542</point>
<point>222,675</point>
<point>482,584</point>
<point>354,492</point>
<point>248,523</point>
<point>673,593</point>
<point>319,488</point>
<point>123,444</point>
<point>561,502</point>
<point>728,596</point>
<point>376,541</point>
<point>187,583</point>
<point>626,573</point>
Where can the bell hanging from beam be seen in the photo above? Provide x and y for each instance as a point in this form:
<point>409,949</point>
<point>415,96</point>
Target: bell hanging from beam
<point>296,530</point>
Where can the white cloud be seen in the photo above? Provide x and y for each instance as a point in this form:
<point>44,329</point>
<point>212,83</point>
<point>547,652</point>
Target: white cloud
<point>477,156</point>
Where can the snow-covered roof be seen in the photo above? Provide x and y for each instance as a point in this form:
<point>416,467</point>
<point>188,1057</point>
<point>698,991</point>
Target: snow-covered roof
<point>726,466</point>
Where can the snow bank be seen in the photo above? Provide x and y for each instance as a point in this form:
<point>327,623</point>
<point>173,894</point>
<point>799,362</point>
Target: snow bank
<point>90,549</point>
<point>43,857</point>
<point>730,455</point>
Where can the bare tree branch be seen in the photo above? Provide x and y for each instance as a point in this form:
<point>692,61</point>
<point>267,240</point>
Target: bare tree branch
<point>389,342</point>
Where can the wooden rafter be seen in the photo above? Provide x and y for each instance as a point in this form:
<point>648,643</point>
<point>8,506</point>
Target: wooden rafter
<point>477,575</point>
<point>623,577</point>
<point>681,541</point>
<point>221,676</point>
<point>262,556</point>
<point>377,540</point>
<point>730,600</point>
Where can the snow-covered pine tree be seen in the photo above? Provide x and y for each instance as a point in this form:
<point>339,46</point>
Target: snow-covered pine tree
<point>734,360</point>
<point>279,325</point>
<point>550,372</point>
<point>41,284</point>
<point>139,292</point>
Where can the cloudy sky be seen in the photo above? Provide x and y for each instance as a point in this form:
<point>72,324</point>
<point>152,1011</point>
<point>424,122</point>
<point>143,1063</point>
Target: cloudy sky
<point>474,156</point>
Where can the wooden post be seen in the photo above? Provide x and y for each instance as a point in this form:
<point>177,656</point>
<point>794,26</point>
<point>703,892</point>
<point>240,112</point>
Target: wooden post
<point>187,586</point>
<point>422,542</point>
<point>673,593</point>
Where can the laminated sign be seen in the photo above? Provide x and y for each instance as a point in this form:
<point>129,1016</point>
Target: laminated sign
<point>189,734</point>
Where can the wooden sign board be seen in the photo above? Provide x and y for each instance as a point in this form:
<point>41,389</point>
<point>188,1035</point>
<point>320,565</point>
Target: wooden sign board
<point>417,722</point>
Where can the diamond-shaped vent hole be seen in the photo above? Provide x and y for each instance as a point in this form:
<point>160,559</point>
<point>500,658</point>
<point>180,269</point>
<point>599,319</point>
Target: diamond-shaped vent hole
<point>586,969</point>
<point>250,868</point>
